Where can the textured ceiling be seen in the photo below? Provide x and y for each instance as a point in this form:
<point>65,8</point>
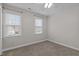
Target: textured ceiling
<point>39,7</point>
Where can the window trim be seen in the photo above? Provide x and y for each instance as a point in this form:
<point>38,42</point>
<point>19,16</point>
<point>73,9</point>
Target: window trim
<point>38,26</point>
<point>14,13</point>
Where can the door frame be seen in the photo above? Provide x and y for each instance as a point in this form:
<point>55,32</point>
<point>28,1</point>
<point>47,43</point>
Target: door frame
<point>1,29</point>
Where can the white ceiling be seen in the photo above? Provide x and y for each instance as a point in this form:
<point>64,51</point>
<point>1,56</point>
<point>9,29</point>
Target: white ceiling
<point>39,7</point>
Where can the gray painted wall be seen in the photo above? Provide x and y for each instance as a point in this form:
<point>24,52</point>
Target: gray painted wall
<point>63,25</point>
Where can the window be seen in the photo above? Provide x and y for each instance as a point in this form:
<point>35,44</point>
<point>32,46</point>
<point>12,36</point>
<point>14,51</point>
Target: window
<point>38,26</point>
<point>12,24</point>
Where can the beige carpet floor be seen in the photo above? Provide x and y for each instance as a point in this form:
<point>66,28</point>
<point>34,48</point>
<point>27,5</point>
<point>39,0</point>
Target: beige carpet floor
<point>45,48</point>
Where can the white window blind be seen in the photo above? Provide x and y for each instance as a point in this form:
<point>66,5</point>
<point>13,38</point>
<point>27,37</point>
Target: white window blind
<point>12,24</point>
<point>38,25</point>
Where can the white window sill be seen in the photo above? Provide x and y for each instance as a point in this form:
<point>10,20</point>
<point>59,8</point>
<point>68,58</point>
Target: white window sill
<point>12,35</point>
<point>39,33</point>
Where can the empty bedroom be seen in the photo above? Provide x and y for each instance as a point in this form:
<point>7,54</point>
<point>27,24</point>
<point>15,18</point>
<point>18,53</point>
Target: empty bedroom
<point>39,29</point>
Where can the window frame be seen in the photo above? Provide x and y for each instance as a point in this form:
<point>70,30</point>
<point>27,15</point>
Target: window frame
<point>38,18</point>
<point>13,13</point>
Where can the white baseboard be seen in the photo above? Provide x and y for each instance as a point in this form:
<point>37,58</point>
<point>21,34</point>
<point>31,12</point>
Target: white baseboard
<point>38,42</point>
<point>64,45</point>
<point>22,45</point>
